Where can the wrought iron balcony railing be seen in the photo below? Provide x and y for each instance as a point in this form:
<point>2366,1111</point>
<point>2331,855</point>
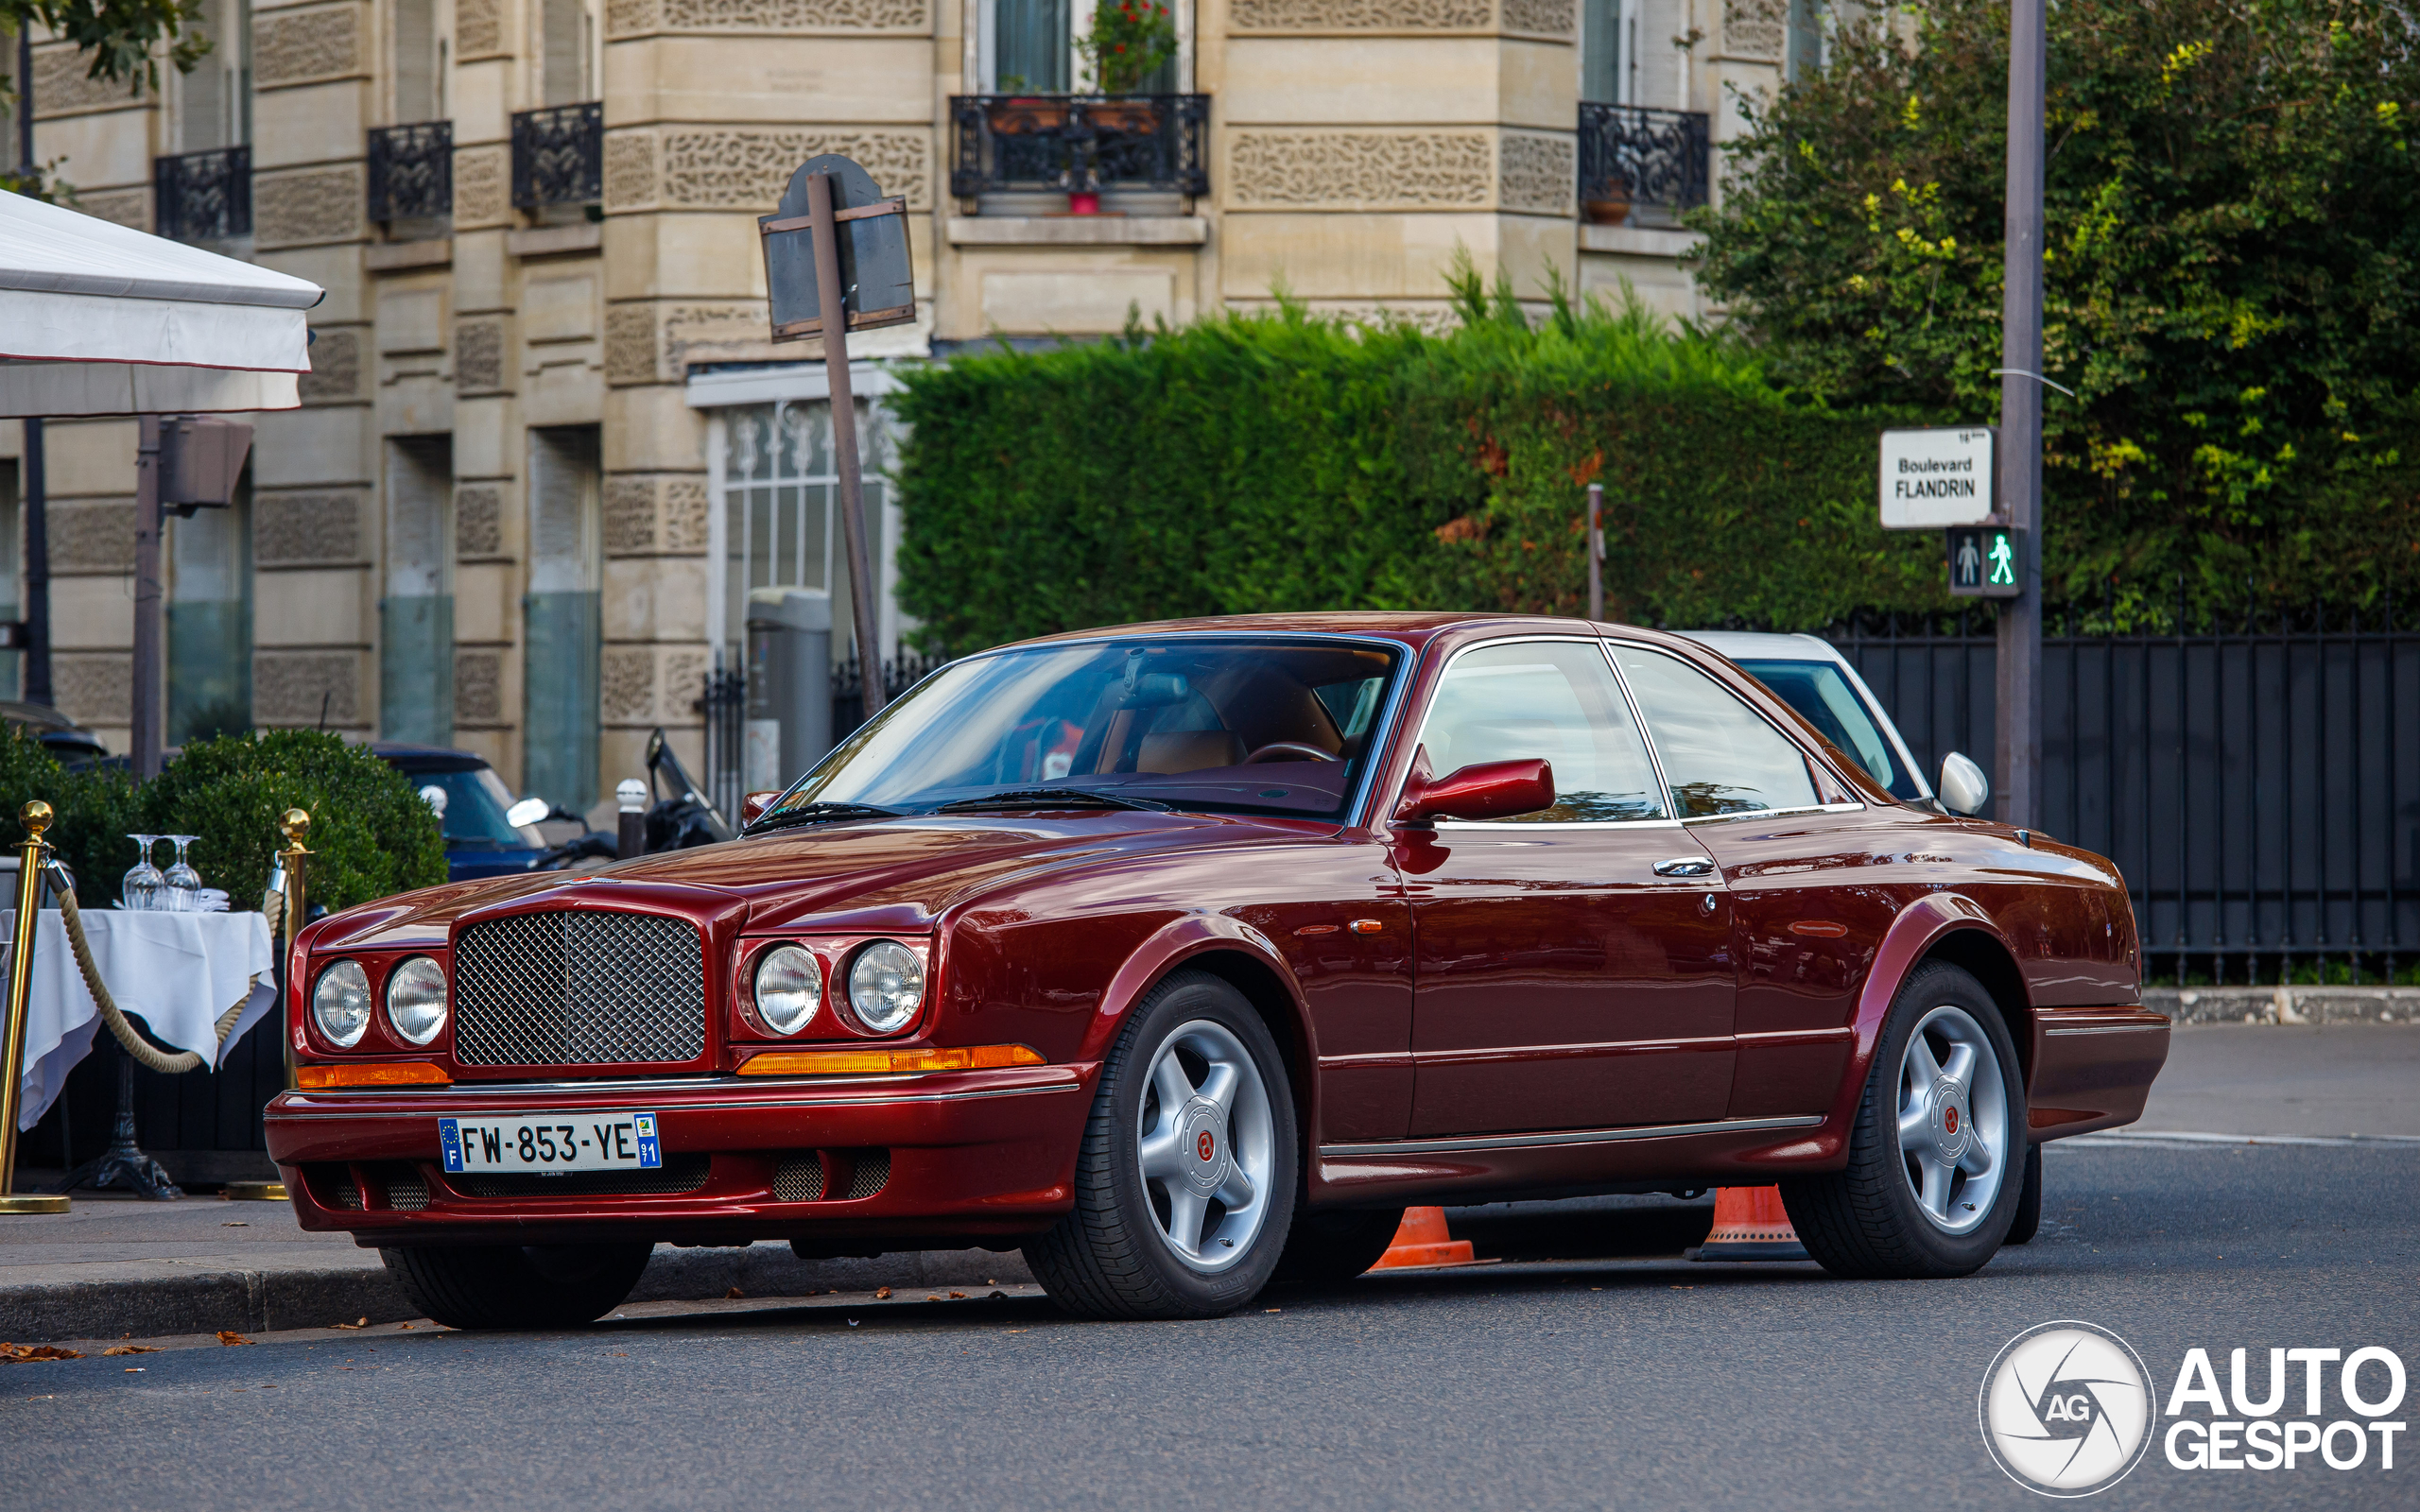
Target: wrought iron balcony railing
<point>559,156</point>
<point>203,197</point>
<point>411,171</point>
<point>1080,144</point>
<point>1631,157</point>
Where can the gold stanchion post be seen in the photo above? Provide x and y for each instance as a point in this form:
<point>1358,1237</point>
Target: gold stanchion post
<point>37,815</point>
<point>294,824</point>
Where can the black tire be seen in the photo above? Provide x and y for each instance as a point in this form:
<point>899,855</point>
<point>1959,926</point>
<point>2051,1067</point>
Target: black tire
<point>1330,1249</point>
<point>1863,1221</point>
<point>2028,1201</point>
<point>1109,1258</point>
<point>515,1286</point>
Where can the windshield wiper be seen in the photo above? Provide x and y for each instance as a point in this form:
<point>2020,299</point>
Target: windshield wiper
<point>817,813</point>
<point>1038,797</point>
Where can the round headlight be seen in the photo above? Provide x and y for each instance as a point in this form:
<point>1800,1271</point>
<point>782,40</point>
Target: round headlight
<point>789,987</point>
<point>341,1002</point>
<point>416,1000</point>
<point>885,985</point>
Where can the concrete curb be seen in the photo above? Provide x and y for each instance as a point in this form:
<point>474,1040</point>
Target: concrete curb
<point>300,1296</point>
<point>2286,1005</point>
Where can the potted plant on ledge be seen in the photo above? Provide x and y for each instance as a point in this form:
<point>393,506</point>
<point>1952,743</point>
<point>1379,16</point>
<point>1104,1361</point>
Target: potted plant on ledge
<point>1130,41</point>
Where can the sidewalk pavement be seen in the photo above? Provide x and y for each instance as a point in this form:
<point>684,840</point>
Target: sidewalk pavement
<point>117,1266</point>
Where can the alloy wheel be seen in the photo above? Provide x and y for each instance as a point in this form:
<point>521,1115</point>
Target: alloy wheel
<point>1955,1140</point>
<point>1206,1146</point>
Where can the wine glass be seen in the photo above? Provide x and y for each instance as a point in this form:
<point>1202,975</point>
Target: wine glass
<point>183,883</point>
<point>141,890</point>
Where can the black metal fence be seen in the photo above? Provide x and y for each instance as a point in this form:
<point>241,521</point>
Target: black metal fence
<point>2254,777</point>
<point>203,197</point>
<point>411,171</point>
<point>1632,157</point>
<point>559,156</point>
<point>724,705</point>
<point>1079,144</point>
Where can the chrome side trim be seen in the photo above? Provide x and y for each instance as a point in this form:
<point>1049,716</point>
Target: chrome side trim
<point>1595,1136</point>
<point>467,1109</point>
<point>2107,1028</point>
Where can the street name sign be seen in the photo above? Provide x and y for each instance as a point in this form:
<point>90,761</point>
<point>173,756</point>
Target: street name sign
<point>1937,477</point>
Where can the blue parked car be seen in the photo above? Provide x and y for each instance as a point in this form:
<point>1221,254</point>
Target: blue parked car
<point>487,832</point>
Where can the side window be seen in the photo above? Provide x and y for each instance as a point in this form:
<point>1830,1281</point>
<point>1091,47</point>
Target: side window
<point>1549,699</point>
<point>1719,754</point>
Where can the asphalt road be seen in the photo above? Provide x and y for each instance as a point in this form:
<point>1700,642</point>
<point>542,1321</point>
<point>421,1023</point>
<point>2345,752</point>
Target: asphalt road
<point>1599,1383</point>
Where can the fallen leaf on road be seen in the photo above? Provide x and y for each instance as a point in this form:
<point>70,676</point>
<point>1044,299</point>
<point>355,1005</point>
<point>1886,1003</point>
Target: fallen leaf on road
<point>363,1324</point>
<point>733,1294</point>
<point>130,1348</point>
<point>882,1294</point>
<point>26,1354</point>
<point>236,1224</point>
<point>933,1296</point>
<point>230,1336</point>
<point>402,1328</point>
<point>958,1297</point>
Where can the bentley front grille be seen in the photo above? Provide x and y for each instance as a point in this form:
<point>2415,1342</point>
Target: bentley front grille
<point>575,987</point>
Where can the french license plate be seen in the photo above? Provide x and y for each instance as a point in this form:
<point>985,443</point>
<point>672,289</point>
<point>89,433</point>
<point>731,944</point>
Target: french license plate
<point>554,1144</point>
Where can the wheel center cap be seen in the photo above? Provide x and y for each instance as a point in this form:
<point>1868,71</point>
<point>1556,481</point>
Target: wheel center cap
<point>1952,1125</point>
<point>1205,1141</point>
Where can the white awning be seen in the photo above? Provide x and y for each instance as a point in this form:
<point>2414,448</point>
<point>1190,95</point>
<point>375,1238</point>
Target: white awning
<point>97,319</point>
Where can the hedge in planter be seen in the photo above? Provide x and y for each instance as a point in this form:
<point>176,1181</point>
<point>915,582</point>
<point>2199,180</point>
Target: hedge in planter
<point>370,834</point>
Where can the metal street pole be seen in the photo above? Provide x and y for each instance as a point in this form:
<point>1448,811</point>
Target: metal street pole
<point>34,685</point>
<point>2020,727</point>
<point>832,302</point>
<point>148,616</point>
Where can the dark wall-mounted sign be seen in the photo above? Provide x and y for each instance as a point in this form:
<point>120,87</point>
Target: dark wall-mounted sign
<point>872,234</point>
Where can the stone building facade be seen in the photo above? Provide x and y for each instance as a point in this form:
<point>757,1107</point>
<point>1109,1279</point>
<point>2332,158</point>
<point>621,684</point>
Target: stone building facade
<point>547,449</point>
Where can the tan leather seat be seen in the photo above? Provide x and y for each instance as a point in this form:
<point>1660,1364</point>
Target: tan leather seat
<point>1189,750</point>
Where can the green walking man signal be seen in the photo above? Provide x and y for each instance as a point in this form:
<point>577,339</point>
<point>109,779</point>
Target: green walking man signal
<point>1982,562</point>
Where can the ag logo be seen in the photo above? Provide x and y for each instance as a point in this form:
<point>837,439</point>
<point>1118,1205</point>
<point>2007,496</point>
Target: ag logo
<point>2066,1409</point>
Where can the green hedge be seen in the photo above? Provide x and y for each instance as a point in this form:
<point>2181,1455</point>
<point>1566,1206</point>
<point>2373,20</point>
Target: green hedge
<point>371,835</point>
<point>1279,461</point>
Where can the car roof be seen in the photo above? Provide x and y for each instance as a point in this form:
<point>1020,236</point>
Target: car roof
<point>41,715</point>
<point>1764,646</point>
<point>409,757</point>
<point>1416,627</point>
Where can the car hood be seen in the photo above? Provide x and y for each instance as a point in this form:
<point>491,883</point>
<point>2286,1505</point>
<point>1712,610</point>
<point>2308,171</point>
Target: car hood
<point>886,875</point>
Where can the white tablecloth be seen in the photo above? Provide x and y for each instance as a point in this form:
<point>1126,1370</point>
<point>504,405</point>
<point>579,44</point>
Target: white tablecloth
<point>178,972</point>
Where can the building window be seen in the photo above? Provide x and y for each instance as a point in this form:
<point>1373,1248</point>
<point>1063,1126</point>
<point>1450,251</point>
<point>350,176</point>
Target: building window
<point>1032,48</point>
<point>1803,44</point>
<point>777,525</point>
<point>419,65</point>
<point>1609,52</point>
<point>210,621</point>
<point>416,612</point>
<point>567,56</point>
<point>562,626</point>
<point>214,101</point>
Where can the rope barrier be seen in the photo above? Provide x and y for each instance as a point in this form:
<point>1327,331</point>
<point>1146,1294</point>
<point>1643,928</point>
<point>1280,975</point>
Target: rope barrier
<point>142,1049</point>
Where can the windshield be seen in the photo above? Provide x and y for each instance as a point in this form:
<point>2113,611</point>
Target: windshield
<point>1243,726</point>
<point>472,808</point>
<point>1825,699</point>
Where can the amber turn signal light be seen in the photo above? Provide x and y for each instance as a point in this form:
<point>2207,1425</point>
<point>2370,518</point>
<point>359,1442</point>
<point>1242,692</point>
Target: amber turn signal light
<point>389,1073</point>
<point>886,1062</point>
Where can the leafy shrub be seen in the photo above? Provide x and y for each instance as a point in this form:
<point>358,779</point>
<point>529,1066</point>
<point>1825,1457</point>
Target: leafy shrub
<point>94,811</point>
<point>370,834</point>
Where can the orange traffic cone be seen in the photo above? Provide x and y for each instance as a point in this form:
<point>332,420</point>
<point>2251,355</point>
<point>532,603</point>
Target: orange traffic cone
<point>1423,1241</point>
<point>1750,1223</point>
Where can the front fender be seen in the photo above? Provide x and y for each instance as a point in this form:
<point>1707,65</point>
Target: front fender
<point>1170,947</point>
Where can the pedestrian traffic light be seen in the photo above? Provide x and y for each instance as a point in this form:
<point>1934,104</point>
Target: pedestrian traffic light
<point>1982,562</point>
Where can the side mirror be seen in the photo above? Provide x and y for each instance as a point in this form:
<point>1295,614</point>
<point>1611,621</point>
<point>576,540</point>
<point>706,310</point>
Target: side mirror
<point>755,804</point>
<point>529,810</point>
<point>1488,790</point>
<point>1964,789</point>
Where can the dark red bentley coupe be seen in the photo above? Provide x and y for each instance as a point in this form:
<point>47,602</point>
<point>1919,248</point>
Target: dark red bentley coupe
<point>1183,956</point>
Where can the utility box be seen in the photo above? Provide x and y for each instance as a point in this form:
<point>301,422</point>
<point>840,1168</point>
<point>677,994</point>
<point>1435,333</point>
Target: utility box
<point>201,458</point>
<point>789,685</point>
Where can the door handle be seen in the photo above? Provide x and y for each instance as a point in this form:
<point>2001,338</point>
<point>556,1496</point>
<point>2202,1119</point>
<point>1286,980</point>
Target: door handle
<point>1684,867</point>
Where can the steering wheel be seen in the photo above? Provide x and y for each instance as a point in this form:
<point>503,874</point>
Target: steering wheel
<point>1286,750</point>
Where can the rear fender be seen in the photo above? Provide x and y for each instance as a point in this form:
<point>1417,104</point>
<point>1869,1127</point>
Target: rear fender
<point>1912,936</point>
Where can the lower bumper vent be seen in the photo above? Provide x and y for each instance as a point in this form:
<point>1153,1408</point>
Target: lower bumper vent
<point>798,1178</point>
<point>679,1173</point>
<point>869,1173</point>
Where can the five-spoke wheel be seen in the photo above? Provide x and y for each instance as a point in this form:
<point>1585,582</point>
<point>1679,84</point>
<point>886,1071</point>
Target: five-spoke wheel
<point>1204,1146</point>
<point>1953,1118</point>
